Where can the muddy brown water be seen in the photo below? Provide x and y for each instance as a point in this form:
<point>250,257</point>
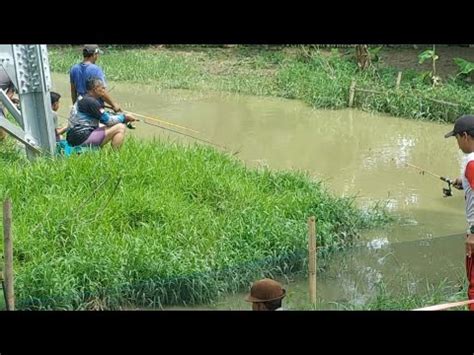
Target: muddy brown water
<point>355,153</point>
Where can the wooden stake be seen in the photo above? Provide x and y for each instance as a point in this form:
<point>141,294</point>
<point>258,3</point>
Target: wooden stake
<point>351,93</point>
<point>312,259</point>
<point>399,79</point>
<point>8,251</point>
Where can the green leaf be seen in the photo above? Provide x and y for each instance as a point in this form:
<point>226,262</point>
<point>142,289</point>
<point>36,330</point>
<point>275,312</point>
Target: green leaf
<point>374,53</point>
<point>465,67</point>
<point>425,55</point>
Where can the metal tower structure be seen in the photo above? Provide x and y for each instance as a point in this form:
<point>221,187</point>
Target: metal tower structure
<point>28,69</point>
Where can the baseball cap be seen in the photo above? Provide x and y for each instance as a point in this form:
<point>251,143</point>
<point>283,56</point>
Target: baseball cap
<point>90,49</point>
<point>463,124</point>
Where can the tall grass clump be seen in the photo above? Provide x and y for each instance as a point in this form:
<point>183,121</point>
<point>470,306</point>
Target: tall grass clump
<point>160,224</point>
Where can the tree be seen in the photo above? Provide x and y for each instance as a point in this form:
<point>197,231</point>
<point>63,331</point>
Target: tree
<point>363,56</point>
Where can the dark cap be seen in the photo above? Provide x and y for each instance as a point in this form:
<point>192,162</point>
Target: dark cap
<point>91,49</point>
<point>463,124</point>
<point>265,290</point>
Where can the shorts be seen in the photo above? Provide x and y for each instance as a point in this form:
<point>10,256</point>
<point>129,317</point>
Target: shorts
<point>96,137</point>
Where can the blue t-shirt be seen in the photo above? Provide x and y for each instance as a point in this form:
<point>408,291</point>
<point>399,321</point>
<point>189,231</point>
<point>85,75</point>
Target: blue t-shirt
<point>81,72</point>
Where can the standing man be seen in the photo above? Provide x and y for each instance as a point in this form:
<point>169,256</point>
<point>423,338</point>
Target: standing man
<point>463,131</point>
<point>85,70</point>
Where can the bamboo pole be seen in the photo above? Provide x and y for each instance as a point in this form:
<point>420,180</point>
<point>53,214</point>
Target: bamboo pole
<point>370,91</point>
<point>351,93</point>
<point>312,259</point>
<point>442,102</point>
<point>440,307</point>
<point>351,96</point>
<point>8,251</point>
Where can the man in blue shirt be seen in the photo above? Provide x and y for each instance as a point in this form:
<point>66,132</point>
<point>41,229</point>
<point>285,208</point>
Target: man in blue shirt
<point>85,70</point>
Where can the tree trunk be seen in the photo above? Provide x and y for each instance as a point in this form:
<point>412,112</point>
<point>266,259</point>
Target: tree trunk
<point>363,56</point>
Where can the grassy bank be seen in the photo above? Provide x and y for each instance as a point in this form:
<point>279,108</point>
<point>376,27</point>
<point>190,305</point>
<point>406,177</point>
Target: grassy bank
<point>160,224</point>
<point>319,78</point>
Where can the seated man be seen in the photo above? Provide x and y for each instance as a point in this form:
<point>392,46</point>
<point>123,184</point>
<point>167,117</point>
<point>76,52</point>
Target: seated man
<point>86,115</point>
<point>266,295</point>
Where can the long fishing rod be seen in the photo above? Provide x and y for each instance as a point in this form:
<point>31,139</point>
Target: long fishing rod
<point>446,191</point>
<point>166,122</point>
<point>185,134</point>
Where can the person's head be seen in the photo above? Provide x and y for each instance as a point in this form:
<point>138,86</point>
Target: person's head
<point>266,295</point>
<point>91,52</point>
<point>95,87</point>
<point>55,100</point>
<point>464,132</point>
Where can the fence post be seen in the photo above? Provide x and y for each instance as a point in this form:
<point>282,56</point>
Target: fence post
<point>399,79</point>
<point>312,259</point>
<point>8,251</point>
<point>351,92</point>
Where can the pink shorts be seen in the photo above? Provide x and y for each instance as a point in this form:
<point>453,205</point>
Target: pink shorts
<point>96,137</point>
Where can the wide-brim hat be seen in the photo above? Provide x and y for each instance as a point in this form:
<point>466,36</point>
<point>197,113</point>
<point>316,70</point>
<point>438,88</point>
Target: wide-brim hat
<point>265,290</point>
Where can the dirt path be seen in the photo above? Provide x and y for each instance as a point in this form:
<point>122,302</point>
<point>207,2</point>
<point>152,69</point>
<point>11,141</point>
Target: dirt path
<point>407,58</point>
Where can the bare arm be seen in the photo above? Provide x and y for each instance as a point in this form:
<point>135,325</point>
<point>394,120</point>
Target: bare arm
<point>109,100</point>
<point>60,131</point>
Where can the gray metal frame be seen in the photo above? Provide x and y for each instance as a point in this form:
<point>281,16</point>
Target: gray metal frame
<point>28,68</point>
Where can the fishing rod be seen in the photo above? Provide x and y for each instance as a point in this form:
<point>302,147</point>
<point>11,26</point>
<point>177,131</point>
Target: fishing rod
<point>156,119</point>
<point>166,122</point>
<point>185,134</point>
<point>446,190</point>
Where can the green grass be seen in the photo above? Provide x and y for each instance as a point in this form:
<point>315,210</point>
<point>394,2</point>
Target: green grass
<point>160,224</point>
<point>402,293</point>
<point>319,78</point>
<point>391,298</point>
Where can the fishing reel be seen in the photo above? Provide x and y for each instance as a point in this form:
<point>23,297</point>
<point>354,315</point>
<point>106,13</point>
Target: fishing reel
<point>447,191</point>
